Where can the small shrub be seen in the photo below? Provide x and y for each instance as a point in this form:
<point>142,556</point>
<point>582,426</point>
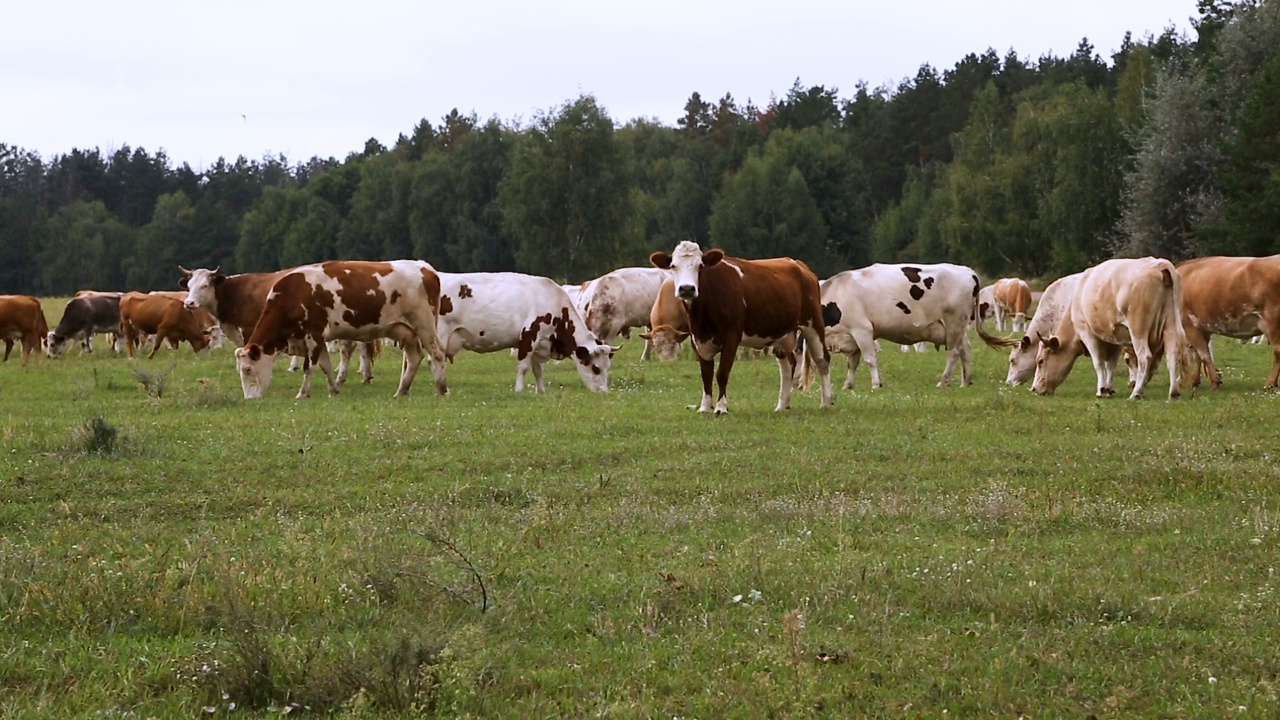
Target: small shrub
<point>153,384</point>
<point>96,437</point>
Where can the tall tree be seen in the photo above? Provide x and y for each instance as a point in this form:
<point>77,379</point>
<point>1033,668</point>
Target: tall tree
<point>566,199</point>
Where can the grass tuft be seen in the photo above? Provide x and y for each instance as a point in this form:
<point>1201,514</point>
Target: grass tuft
<point>95,437</point>
<point>153,383</point>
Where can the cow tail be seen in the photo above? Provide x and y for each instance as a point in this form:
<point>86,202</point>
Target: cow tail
<point>991,340</point>
<point>806,367</point>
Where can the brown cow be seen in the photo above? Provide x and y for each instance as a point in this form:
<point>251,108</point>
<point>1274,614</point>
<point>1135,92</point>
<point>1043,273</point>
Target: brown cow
<point>1234,296</point>
<point>22,318</point>
<point>669,322</point>
<point>163,317</point>
<point>1012,298</point>
<point>346,300</point>
<point>755,303</point>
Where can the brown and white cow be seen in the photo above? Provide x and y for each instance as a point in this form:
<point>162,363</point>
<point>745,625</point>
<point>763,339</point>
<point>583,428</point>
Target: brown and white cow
<point>1125,301</point>
<point>1012,299</point>
<point>668,322</point>
<point>22,319</point>
<point>162,317</point>
<point>1234,296</point>
<point>346,300</point>
<point>756,303</point>
<point>1052,306</point>
<point>623,299</point>
<point>905,304</point>
<point>487,312</point>
<point>88,313</point>
<point>237,302</point>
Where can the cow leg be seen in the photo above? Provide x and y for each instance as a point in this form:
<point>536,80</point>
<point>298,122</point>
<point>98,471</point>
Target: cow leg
<point>429,343</point>
<point>644,354</point>
<point>366,362</point>
<point>8,348</point>
<point>413,355</point>
<point>787,374</point>
<point>727,354</point>
<point>708,369</point>
<point>536,364</point>
<point>86,341</point>
<point>1198,339</point>
<point>157,341</point>
<point>966,360</point>
<point>320,356</point>
<point>1274,375</point>
<point>296,362</point>
<point>345,348</point>
<point>305,390</point>
<point>522,366</point>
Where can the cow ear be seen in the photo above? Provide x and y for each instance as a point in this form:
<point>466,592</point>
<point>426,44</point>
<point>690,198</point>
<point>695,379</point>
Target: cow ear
<point>1025,342</point>
<point>661,260</point>
<point>218,278</point>
<point>613,349</point>
<point>1053,343</point>
<point>182,282</point>
<point>254,352</point>
<point>646,336</point>
<point>680,336</point>
<point>711,257</point>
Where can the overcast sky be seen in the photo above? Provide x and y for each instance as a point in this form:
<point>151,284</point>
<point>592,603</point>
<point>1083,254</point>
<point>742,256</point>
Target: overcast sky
<point>227,78</point>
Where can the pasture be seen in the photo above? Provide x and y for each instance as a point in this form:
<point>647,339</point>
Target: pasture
<point>168,549</point>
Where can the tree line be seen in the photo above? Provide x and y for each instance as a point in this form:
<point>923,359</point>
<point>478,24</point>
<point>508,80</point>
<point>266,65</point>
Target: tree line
<point>1012,166</point>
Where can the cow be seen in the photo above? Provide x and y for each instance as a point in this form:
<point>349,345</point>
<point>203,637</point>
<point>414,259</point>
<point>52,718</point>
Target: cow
<point>22,319</point>
<point>1234,296</point>
<point>986,303</point>
<point>756,303</point>
<point>487,312</point>
<point>84,316</point>
<point>237,302</point>
<point>1124,301</point>
<point>668,322</point>
<point>1012,299</point>
<point>206,320</point>
<point>346,300</point>
<point>162,317</point>
<point>1053,305</point>
<point>623,299</point>
<point>905,304</point>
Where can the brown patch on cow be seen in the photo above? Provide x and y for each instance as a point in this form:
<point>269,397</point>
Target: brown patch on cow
<point>446,305</point>
<point>464,292</point>
<point>395,295</point>
<point>903,307</point>
<point>912,273</point>
<point>563,343</point>
<point>928,283</point>
<point>359,292</point>
<point>529,336</point>
<point>916,292</point>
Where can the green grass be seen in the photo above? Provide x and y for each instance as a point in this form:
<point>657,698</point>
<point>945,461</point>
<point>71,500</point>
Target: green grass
<point>978,551</point>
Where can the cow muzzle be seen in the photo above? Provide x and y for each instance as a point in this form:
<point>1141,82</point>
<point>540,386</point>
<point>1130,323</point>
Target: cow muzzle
<point>687,292</point>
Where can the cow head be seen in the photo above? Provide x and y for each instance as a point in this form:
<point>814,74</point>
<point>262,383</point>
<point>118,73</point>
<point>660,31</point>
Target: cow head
<point>254,367</point>
<point>686,262</point>
<point>1053,363</point>
<point>593,360</point>
<point>666,341</point>
<point>55,344</point>
<point>1022,362</point>
<point>200,284</point>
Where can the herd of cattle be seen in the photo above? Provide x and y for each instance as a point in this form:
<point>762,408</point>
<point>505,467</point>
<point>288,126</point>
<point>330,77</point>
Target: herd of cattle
<point>1143,308</point>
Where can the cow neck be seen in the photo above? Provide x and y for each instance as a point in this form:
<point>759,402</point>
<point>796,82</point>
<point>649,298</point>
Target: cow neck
<point>269,333</point>
<point>234,304</point>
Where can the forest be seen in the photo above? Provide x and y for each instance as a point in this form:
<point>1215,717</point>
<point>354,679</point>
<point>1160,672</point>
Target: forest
<point>1036,168</point>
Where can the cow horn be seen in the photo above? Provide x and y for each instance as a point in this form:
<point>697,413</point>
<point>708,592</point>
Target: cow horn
<point>188,272</point>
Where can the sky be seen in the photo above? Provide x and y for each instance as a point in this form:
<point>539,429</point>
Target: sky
<point>224,78</point>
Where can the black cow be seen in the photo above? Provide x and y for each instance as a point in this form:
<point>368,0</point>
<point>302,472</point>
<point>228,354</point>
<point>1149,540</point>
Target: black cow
<point>83,317</point>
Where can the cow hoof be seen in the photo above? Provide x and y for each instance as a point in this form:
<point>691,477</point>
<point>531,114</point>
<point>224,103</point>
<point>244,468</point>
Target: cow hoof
<point>368,381</point>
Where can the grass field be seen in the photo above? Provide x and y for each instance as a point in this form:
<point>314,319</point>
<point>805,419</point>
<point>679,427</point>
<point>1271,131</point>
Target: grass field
<point>168,549</point>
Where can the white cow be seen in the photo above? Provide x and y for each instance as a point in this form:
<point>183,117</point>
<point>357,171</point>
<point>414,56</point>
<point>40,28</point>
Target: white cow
<point>620,300</point>
<point>1125,301</point>
<point>486,312</point>
<point>905,304</point>
<point>1053,305</point>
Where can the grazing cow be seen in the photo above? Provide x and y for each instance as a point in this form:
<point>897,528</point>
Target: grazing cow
<point>1012,298</point>
<point>237,302</point>
<point>1234,296</point>
<point>756,303</point>
<point>621,300</point>
<point>1053,305</point>
<point>84,316</point>
<point>346,300</point>
<point>206,320</point>
<point>1125,301</point>
<point>486,312</point>
<point>162,317</point>
<point>905,304</point>
<point>668,322</point>
<point>22,319</point>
